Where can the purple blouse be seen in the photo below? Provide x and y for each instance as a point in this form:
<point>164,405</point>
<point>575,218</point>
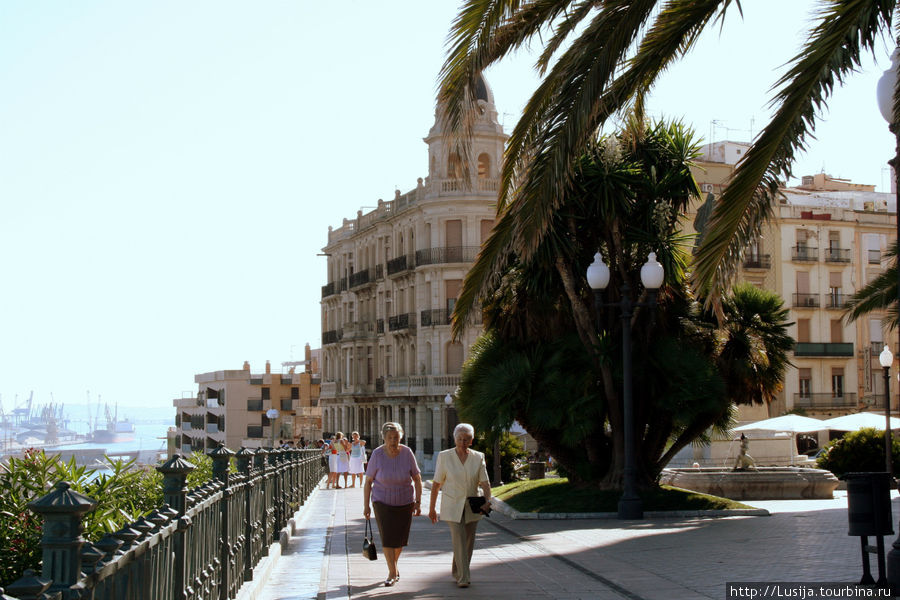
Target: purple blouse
<point>392,482</point>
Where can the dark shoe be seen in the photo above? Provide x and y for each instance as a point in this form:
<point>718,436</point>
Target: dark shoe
<point>461,584</point>
<point>389,582</point>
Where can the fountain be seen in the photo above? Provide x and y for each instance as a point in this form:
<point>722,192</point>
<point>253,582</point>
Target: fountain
<point>761,483</point>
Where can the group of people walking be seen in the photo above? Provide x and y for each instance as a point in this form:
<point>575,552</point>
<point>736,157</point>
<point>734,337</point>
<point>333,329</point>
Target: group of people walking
<point>393,489</point>
<point>345,457</point>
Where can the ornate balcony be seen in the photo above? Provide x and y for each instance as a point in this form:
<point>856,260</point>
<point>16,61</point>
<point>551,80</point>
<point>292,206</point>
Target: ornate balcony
<point>825,400</point>
<point>836,301</point>
<point>437,316</point>
<point>805,301</point>
<point>819,349</point>
<point>804,254</point>
<point>837,255</point>
<point>360,278</point>
<point>402,322</point>
<point>328,290</point>
<point>758,261</point>
<point>401,264</point>
<point>449,254</point>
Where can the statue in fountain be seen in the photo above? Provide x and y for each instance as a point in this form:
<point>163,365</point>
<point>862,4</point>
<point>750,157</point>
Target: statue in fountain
<point>744,461</point>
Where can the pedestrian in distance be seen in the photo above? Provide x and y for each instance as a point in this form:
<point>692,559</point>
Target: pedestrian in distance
<point>343,456</point>
<point>394,485</point>
<point>330,451</point>
<point>357,459</point>
<point>459,472</point>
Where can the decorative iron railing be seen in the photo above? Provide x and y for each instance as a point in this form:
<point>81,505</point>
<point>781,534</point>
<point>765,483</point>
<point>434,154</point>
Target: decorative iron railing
<point>201,544</point>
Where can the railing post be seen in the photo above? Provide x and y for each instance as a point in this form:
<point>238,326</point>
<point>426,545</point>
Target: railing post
<point>28,587</point>
<point>259,461</point>
<point>221,458</point>
<point>175,472</point>
<point>244,459</point>
<point>62,510</point>
<point>275,496</point>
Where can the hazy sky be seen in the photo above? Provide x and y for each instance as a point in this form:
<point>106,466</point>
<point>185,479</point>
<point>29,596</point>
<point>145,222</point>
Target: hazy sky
<point>169,170</point>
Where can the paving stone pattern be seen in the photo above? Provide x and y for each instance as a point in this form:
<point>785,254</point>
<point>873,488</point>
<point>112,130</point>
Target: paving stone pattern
<point>671,559</point>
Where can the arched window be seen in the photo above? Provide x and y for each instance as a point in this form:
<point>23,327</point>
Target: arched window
<point>484,166</point>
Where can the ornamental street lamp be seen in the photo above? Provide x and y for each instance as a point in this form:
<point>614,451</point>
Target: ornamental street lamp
<point>886,92</point>
<point>652,276</point>
<point>886,358</point>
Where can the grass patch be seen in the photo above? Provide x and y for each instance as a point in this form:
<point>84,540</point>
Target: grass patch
<point>559,496</point>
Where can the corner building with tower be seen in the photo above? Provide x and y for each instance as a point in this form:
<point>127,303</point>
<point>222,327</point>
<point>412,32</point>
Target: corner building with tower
<point>393,277</point>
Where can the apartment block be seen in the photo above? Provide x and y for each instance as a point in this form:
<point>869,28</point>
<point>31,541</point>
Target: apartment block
<point>393,276</point>
<point>826,240</point>
<point>231,407</point>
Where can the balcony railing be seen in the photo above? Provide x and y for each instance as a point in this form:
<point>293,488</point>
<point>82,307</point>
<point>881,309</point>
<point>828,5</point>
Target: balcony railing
<point>758,261</point>
<point>804,254</point>
<point>825,400</point>
<point>836,301</point>
<point>328,290</point>
<point>360,278</point>
<point>400,322</point>
<point>837,255</point>
<point>437,316</point>
<point>330,337</point>
<point>805,301</point>
<point>819,349</point>
<point>432,385</point>
<point>450,254</point>
<point>401,264</point>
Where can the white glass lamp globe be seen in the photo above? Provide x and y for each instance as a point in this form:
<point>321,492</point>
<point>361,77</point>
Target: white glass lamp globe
<point>652,273</point>
<point>886,357</point>
<point>598,273</point>
<point>885,89</point>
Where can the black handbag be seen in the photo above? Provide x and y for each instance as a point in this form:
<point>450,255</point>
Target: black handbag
<point>476,503</point>
<point>369,542</point>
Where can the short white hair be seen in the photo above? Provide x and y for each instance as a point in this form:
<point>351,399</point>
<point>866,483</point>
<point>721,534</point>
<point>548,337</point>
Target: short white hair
<point>392,426</point>
<point>463,428</point>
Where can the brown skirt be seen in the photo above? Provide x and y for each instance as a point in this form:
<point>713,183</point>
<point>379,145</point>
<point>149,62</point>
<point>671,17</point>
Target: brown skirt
<point>393,524</point>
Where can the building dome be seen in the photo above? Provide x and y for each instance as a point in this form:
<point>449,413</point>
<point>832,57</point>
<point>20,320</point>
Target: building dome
<point>483,90</point>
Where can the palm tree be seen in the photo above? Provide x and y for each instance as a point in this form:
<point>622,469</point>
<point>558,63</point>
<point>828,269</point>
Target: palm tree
<point>627,196</point>
<point>600,58</point>
<point>878,294</point>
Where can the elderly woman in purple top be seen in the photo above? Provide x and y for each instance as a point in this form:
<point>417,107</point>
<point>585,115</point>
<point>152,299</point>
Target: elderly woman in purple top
<point>394,484</point>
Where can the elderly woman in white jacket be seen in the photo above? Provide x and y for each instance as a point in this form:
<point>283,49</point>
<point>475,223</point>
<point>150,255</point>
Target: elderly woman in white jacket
<point>459,472</point>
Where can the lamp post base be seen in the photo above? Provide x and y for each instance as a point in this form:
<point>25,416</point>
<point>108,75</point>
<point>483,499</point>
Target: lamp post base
<point>630,508</point>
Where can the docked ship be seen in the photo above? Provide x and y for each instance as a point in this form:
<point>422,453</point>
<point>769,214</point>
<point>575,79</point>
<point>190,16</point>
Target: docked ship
<point>116,431</point>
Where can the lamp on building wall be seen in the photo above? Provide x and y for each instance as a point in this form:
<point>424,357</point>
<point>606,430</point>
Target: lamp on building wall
<point>652,276</point>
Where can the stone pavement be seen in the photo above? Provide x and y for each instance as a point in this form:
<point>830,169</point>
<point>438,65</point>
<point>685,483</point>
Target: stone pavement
<point>672,559</point>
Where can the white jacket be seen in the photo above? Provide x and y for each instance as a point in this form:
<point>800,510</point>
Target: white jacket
<point>459,481</point>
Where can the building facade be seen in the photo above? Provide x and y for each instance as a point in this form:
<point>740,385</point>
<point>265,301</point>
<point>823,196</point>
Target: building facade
<point>231,407</point>
<point>826,240</point>
<point>393,276</point>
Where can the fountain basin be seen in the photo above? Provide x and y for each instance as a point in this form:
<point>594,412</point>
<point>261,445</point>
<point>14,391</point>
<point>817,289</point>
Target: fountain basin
<point>764,483</point>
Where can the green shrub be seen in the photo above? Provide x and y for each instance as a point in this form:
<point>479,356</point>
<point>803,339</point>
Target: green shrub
<point>858,451</point>
<point>123,491</point>
<point>511,452</point>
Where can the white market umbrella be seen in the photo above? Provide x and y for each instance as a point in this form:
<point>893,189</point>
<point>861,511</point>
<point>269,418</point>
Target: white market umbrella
<point>792,424</point>
<point>789,423</point>
<point>857,421</point>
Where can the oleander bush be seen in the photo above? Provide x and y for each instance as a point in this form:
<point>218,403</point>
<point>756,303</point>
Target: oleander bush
<point>123,490</point>
<point>858,451</point>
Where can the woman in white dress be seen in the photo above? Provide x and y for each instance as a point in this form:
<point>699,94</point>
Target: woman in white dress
<point>343,456</point>
<point>459,472</point>
<point>357,458</point>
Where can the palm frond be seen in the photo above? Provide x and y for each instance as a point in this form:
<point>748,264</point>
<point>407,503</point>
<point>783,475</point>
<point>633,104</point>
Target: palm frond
<point>879,294</point>
<point>831,52</point>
